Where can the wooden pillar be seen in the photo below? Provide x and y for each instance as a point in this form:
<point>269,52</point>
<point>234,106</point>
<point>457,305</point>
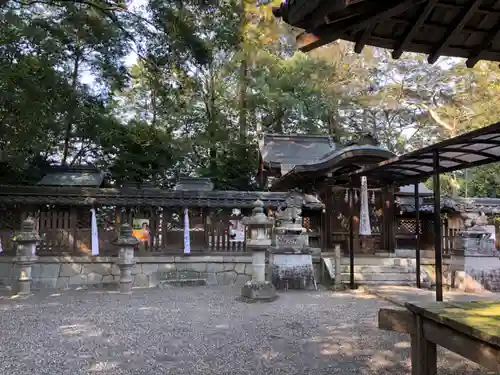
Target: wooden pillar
<point>417,234</point>
<point>423,352</point>
<point>389,219</point>
<point>351,239</point>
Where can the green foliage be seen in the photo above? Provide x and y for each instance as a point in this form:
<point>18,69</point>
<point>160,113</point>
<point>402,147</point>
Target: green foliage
<point>208,76</point>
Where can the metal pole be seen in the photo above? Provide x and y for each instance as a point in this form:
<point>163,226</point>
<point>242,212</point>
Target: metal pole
<point>351,239</point>
<point>417,233</point>
<point>438,229</point>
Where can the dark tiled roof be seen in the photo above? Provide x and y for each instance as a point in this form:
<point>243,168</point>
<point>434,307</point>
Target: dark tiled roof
<point>410,190</point>
<point>138,197</point>
<point>486,205</point>
<point>194,184</point>
<point>74,177</point>
<point>287,151</point>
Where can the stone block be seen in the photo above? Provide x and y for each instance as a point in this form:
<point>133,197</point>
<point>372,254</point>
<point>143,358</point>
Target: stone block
<point>149,269</point>
<point>94,278</point>
<point>136,269</point>
<point>259,291</point>
<point>50,271</point>
<point>109,279</point>
<point>5,270</point>
<point>166,267</point>
<point>180,267</point>
<point>212,279</point>
<point>215,267</point>
<point>237,258</point>
<point>242,279</point>
<point>166,275</point>
<point>141,280</point>
<point>248,269</point>
<point>229,277</point>
<point>62,282</point>
<point>78,279</point>
<point>115,270</point>
<point>70,269</point>
<point>47,283</point>
<point>198,267</point>
<point>35,271</point>
<point>102,269</point>
<point>229,266</point>
<point>239,268</point>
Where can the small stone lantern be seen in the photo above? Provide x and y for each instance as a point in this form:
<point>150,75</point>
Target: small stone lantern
<point>27,240</point>
<point>259,228</point>
<point>126,260</point>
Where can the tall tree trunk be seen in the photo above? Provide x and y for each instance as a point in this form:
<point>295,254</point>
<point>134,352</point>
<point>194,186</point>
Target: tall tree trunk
<point>212,123</point>
<point>243,85</point>
<point>243,76</point>
<point>71,110</point>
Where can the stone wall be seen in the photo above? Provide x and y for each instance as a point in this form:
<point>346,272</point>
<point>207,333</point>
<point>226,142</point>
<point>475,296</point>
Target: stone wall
<point>485,271</point>
<point>64,272</point>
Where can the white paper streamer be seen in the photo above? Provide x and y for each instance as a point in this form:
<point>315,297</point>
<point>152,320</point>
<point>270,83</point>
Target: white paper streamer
<point>95,234</point>
<point>187,239</point>
<point>364,215</point>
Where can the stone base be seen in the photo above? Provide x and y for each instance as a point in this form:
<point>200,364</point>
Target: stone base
<point>259,291</point>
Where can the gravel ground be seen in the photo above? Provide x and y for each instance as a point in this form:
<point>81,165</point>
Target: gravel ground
<point>202,330</point>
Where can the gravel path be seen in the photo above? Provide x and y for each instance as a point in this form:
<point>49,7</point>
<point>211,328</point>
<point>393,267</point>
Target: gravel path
<point>201,330</point>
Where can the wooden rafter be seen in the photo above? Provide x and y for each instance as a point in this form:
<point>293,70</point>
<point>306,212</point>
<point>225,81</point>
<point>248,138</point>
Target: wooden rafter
<point>364,35</point>
<point>478,51</point>
<point>459,22</point>
<point>425,10</point>
<point>372,14</point>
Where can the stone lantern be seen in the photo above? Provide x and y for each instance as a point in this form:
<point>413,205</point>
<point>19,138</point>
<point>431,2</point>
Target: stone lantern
<point>258,240</point>
<point>126,260</point>
<point>26,240</point>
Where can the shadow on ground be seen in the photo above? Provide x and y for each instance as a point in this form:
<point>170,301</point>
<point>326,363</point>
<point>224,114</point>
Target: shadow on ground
<point>203,330</point>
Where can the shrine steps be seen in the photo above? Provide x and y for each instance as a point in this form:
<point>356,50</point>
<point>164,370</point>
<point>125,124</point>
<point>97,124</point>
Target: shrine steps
<point>379,271</point>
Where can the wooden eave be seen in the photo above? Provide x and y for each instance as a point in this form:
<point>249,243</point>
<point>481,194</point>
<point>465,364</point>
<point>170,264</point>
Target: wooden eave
<point>458,28</point>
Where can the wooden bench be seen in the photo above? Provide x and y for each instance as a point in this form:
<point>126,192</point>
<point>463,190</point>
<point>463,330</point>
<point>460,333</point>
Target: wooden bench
<point>470,329</point>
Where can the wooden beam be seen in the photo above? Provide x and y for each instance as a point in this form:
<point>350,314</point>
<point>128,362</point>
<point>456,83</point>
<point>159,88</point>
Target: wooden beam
<point>311,39</point>
<point>478,51</point>
<point>363,38</point>
<point>459,22</point>
<point>394,320</point>
<point>425,10</point>
<point>468,347</point>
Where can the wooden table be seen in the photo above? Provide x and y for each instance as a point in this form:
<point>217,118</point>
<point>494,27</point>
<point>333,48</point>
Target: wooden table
<point>470,329</point>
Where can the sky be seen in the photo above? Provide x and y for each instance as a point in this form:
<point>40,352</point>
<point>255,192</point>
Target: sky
<point>131,58</point>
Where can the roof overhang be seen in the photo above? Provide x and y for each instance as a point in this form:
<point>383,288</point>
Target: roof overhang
<point>476,148</point>
<point>455,28</point>
<point>338,162</point>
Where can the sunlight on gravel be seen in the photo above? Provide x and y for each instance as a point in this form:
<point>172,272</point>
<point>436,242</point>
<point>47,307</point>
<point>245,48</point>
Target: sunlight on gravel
<point>202,330</point>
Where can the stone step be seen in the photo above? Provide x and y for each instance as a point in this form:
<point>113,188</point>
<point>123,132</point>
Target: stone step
<point>403,277</point>
<point>377,269</point>
<point>381,282</point>
<point>183,282</point>
<point>376,261</point>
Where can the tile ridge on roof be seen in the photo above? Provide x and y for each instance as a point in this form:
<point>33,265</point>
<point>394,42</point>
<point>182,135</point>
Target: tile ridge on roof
<point>323,137</point>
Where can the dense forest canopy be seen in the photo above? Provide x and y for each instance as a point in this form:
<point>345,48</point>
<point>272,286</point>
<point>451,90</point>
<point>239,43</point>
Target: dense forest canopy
<point>183,87</point>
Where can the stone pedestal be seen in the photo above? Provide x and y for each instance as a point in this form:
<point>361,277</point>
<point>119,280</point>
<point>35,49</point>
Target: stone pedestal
<point>258,289</point>
<point>126,260</point>
<point>26,241</point>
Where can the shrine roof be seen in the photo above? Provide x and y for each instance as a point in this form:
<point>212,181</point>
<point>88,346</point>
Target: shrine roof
<point>458,28</point>
<point>67,176</point>
<point>459,204</point>
<point>410,190</point>
<point>130,197</point>
<point>284,151</point>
